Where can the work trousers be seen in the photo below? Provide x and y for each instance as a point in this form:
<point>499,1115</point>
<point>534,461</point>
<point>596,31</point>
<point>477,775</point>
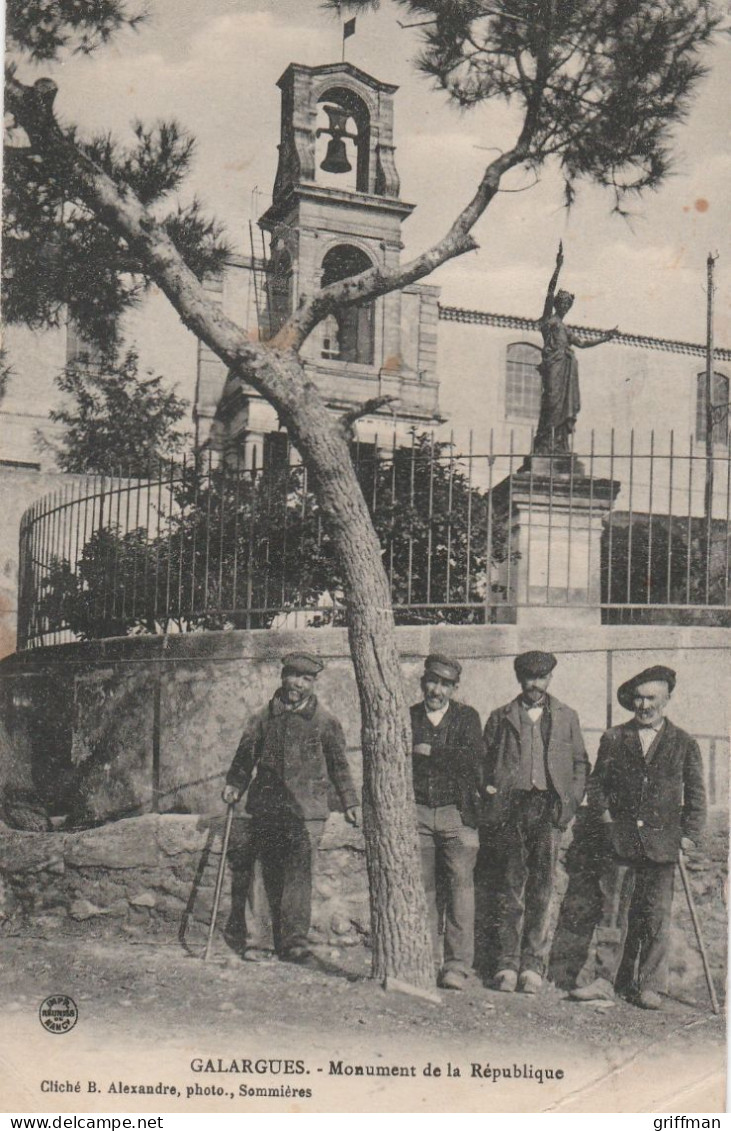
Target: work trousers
<point>287,848</point>
<point>449,852</point>
<point>634,934</point>
<point>530,842</point>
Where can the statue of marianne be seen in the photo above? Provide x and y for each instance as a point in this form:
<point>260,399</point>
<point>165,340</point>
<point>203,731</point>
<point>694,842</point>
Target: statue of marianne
<point>559,370</point>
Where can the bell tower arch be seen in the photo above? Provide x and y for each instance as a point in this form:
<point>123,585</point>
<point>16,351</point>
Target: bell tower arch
<point>353,97</point>
<point>336,210</point>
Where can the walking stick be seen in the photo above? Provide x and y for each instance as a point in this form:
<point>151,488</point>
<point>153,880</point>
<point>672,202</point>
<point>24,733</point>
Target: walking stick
<point>697,927</point>
<point>219,878</point>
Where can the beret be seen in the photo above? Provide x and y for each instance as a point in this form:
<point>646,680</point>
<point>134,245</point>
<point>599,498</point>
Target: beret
<point>534,664</point>
<point>302,662</point>
<point>443,666</point>
<point>658,673</point>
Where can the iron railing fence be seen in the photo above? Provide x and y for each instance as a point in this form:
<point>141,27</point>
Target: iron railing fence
<point>205,544</point>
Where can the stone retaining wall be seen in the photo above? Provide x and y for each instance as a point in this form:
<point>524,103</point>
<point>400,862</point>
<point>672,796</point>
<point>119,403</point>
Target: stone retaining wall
<point>152,878</point>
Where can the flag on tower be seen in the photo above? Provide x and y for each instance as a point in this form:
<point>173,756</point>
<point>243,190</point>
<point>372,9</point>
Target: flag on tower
<point>349,28</point>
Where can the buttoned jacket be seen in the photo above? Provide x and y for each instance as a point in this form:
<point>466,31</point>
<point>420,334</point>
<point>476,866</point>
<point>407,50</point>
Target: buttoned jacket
<point>567,765</point>
<point>297,755</point>
<point>455,760</point>
<point>653,799</point>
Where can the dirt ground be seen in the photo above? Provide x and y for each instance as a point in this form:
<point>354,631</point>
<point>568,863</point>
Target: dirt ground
<point>143,996</point>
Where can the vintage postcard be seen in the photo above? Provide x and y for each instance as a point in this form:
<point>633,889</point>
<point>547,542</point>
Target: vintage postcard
<point>366,485</point>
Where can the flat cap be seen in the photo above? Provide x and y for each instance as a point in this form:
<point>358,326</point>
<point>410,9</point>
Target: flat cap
<point>658,673</point>
<point>533,665</point>
<point>302,662</point>
<point>443,666</point>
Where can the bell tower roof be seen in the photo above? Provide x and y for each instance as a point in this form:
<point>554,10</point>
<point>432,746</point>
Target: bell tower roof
<point>340,107</point>
<point>327,70</point>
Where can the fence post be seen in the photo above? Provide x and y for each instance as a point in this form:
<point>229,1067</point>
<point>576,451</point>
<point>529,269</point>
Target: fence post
<point>156,736</point>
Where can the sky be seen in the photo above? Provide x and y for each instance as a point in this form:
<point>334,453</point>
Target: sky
<point>214,66</point>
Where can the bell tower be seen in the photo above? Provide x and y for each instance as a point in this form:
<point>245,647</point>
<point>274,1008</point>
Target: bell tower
<point>335,212</point>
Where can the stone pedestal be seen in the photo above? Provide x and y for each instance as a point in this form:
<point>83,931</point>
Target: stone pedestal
<point>555,514</point>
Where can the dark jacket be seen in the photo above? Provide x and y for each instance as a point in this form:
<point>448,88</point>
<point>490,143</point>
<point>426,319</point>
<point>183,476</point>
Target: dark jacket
<point>451,773</point>
<point>567,765</point>
<point>653,801</point>
<point>296,754</point>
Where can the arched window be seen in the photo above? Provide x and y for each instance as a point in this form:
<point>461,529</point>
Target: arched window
<point>523,381</point>
<point>350,333</point>
<point>719,401</point>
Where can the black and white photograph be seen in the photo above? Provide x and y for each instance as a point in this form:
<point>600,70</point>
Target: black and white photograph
<point>365,546</point>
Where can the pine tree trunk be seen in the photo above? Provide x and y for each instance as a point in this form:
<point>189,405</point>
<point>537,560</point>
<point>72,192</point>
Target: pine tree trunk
<point>399,925</point>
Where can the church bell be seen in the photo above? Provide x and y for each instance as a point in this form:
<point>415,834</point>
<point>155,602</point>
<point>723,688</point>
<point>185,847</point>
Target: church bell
<point>336,158</point>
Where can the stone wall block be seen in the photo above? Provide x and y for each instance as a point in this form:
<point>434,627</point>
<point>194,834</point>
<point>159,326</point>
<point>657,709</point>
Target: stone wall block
<point>111,745</point>
<point>177,834</point>
<point>143,899</point>
<point>50,926</point>
<point>30,852</point>
<point>339,924</point>
<point>84,909</point>
<point>106,886</point>
<point>171,907</point>
<point>324,888</point>
<point>173,888</point>
<point>111,846</point>
<point>52,899</point>
<point>118,909</point>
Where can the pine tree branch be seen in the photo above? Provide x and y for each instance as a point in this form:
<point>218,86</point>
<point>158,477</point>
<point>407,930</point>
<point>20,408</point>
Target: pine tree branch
<point>457,241</point>
<point>348,419</point>
<point>118,208</point>
<point>375,282</point>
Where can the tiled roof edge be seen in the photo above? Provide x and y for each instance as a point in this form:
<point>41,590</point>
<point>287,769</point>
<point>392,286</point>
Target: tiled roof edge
<point>514,322</point>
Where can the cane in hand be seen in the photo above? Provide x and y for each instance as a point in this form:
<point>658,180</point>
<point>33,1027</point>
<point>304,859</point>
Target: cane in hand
<point>219,877</point>
<point>697,927</point>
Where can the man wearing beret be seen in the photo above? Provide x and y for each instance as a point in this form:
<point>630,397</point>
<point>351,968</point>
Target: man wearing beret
<point>536,768</point>
<point>293,750</point>
<point>447,753</point>
<point>647,787</point>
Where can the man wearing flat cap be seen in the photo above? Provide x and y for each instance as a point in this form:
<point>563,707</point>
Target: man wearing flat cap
<point>535,770</point>
<point>447,753</point>
<point>289,755</point>
<point>647,787</point>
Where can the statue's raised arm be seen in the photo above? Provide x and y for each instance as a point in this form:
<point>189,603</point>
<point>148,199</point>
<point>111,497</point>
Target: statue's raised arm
<point>548,304</point>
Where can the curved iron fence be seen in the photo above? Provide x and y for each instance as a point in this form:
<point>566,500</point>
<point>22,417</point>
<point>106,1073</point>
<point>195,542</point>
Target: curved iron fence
<point>209,545</point>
